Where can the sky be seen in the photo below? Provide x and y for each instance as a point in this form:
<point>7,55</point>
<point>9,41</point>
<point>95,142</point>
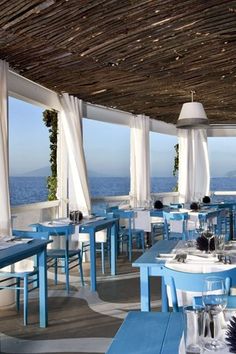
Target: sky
<point>28,138</point>
<point>106,146</point>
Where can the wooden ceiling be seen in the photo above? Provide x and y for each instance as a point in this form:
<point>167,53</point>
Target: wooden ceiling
<point>141,56</point>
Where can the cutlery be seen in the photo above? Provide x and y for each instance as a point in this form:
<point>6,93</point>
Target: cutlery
<point>224,259</point>
<point>181,257</point>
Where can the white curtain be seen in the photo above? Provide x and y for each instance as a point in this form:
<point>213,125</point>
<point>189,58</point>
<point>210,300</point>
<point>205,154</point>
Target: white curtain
<point>5,214</point>
<point>79,198</point>
<point>139,161</point>
<point>194,171</point>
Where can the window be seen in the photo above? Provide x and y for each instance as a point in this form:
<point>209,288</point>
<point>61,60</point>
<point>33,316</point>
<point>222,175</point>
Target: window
<point>28,153</point>
<point>222,158</point>
<point>162,154</point>
<point>107,154</point>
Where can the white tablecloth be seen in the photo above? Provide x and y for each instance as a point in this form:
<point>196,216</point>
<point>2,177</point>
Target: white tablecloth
<point>193,264</point>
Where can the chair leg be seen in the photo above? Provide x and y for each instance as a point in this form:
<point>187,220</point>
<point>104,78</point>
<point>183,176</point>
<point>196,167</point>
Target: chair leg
<point>103,257</point>
<point>143,241</point>
<point>25,301</point>
<point>55,271</point>
<point>130,247</point>
<point>152,234</point>
<point>67,275</point>
<point>80,259</point>
<point>82,250</point>
<point>18,294</point>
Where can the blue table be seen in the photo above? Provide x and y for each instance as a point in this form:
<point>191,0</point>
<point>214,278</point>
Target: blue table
<point>19,252</point>
<point>151,266</point>
<point>148,333</point>
<point>111,225</point>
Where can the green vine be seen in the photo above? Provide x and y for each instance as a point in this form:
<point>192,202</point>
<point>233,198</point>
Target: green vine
<point>176,165</point>
<point>176,160</point>
<point>50,120</point>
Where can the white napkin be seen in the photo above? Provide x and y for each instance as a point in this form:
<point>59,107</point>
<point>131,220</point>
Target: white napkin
<point>55,223</point>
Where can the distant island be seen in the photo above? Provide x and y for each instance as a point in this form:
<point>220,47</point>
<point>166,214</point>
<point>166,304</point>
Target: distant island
<point>46,171</point>
<point>40,172</point>
<point>231,173</point>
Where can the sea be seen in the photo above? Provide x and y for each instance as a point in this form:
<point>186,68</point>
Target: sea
<point>25,190</point>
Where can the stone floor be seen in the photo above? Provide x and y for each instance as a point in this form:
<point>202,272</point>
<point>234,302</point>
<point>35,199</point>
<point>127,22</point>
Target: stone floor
<point>82,322</point>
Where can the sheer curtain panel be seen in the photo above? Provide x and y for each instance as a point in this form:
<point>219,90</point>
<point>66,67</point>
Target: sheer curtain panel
<point>7,297</point>
<point>5,215</point>
<point>71,117</point>
<point>139,161</point>
<point>194,171</point>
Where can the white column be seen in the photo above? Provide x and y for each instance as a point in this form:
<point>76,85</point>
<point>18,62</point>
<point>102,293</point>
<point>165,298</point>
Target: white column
<point>139,160</point>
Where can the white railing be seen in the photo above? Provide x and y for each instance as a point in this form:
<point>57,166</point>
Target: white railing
<point>221,196</point>
<point>26,214</point>
<point>233,193</point>
<point>165,197</point>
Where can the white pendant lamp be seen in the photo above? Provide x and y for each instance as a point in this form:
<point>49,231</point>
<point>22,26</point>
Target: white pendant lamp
<point>192,115</point>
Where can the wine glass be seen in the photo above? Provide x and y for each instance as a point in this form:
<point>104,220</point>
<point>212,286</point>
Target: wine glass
<point>214,298</point>
<point>208,234</point>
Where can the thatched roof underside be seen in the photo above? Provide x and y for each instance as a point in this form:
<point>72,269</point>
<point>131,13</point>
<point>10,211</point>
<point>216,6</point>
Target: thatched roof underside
<point>141,56</point>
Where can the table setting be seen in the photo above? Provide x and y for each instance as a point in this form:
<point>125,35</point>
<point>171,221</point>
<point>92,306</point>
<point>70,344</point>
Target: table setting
<point>207,249</point>
<point>211,326</point>
<point>72,220</point>
<point>9,241</point>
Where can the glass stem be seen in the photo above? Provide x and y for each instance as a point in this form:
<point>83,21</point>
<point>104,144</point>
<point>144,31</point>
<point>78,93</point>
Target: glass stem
<point>211,325</point>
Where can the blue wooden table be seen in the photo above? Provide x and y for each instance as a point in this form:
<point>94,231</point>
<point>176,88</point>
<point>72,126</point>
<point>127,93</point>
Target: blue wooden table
<point>151,266</point>
<point>19,252</point>
<point>111,225</point>
<point>148,333</point>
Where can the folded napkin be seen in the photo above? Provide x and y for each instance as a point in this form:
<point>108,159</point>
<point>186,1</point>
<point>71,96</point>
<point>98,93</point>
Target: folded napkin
<point>165,255</point>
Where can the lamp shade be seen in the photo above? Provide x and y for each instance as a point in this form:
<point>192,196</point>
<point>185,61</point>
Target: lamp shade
<point>192,115</point>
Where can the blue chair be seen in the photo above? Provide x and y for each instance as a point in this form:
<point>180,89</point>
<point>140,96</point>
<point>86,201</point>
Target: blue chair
<point>181,220</point>
<point>193,282</point>
<point>111,209</point>
<point>231,301</point>
<point>69,258</point>
<point>128,232</point>
<point>28,277</point>
<point>224,222</point>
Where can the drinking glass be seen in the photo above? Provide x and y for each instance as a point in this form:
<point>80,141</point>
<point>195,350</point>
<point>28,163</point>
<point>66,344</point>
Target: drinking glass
<point>193,326</point>
<point>208,234</point>
<point>214,298</point>
<point>220,244</point>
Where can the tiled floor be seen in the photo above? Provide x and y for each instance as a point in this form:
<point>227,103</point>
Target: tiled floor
<point>82,322</point>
